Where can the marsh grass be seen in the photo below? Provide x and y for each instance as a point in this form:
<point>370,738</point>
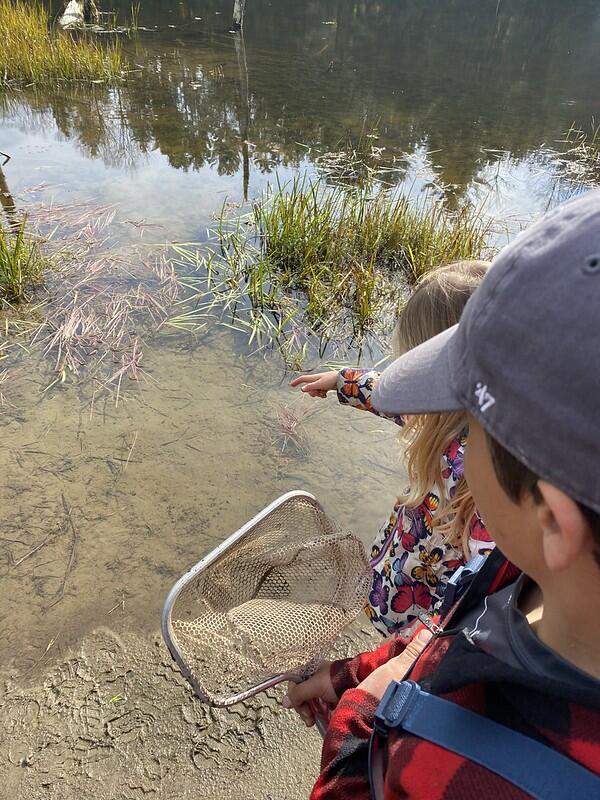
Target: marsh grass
<point>315,261</point>
<point>329,242</point>
<point>21,264</point>
<point>33,52</point>
<point>583,152</point>
<point>134,16</point>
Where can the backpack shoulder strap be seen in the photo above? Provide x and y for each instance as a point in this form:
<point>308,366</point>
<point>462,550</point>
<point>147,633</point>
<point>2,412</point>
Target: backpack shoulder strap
<point>536,769</point>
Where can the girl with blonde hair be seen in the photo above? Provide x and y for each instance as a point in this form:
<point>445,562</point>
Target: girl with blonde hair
<point>434,527</point>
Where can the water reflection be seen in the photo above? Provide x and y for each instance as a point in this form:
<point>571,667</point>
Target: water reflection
<point>458,79</point>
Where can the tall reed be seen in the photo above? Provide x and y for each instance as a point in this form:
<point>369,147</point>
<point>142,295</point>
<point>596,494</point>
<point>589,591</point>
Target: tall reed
<point>338,245</point>
<point>322,263</point>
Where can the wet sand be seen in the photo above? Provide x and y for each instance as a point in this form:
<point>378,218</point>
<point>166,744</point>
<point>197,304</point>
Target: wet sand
<point>116,720</point>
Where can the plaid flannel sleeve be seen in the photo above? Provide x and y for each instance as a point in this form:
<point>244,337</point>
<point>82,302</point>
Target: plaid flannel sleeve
<point>349,672</point>
<point>344,769</point>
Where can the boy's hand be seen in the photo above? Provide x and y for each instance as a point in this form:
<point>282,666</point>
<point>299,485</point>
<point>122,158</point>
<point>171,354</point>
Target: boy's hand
<point>317,385</point>
<point>317,687</point>
<point>397,668</point>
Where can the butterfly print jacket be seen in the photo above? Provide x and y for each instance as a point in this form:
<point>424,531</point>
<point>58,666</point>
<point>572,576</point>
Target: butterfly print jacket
<point>410,560</point>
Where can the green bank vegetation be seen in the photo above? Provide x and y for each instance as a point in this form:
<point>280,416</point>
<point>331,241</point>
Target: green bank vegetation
<point>33,52</point>
<point>21,265</point>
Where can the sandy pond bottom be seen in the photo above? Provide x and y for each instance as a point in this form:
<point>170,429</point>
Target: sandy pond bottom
<point>99,516</point>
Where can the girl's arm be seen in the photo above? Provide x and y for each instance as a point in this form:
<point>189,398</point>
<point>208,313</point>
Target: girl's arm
<point>354,387</point>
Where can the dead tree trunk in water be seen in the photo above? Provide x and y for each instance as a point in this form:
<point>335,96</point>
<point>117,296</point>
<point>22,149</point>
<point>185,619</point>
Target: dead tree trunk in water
<point>90,11</point>
<point>239,6</point>
<point>8,204</point>
<point>240,50</point>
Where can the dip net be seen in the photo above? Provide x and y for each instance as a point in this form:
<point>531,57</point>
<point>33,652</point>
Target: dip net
<point>268,603</point>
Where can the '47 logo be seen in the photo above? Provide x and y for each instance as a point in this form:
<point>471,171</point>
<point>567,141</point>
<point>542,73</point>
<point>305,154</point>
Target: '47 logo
<point>484,399</point>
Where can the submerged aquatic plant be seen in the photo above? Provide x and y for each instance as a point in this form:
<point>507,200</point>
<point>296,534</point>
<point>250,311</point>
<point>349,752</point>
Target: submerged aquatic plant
<point>21,264</point>
<point>33,52</point>
<point>316,260</point>
<point>289,429</point>
<point>98,301</point>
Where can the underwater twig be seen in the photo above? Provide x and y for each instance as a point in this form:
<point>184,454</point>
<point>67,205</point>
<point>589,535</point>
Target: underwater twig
<point>68,511</point>
<point>50,644</point>
<point>120,602</point>
<point>32,552</point>
<point>130,451</point>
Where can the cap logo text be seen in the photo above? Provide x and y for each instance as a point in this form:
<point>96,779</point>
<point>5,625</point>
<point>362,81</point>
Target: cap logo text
<point>484,399</point>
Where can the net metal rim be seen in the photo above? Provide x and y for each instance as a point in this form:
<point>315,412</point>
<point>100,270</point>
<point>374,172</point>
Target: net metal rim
<point>166,617</point>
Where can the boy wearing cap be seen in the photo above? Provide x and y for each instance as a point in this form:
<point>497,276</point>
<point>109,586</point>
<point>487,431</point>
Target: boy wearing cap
<point>521,648</point>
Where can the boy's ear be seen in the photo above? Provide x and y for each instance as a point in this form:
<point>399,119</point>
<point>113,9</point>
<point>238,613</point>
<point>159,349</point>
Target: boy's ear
<point>565,530</point>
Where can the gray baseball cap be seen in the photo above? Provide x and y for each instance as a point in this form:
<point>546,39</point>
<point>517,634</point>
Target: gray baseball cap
<point>525,358</point>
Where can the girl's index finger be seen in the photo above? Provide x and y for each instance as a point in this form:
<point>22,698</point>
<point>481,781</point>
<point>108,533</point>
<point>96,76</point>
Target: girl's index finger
<point>304,379</point>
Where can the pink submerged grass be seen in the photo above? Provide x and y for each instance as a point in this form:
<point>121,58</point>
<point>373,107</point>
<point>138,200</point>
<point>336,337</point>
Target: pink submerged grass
<point>290,425</point>
<point>100,300</point>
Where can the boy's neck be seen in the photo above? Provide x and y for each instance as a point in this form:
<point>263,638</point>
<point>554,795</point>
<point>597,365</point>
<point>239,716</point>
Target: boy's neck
<point>572,633</point>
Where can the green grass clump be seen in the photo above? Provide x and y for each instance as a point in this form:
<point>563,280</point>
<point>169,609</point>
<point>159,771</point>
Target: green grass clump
<point>21,265</point>
<point>32,52</point>
<point>340,245</point>
<point>315,263</point>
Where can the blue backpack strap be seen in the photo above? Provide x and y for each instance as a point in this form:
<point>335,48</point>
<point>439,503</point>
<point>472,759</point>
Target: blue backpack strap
<point>533,767</point>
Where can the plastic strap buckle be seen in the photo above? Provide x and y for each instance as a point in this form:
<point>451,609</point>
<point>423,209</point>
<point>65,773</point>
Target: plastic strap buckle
<point>460,582</point>
<point>397,702</point>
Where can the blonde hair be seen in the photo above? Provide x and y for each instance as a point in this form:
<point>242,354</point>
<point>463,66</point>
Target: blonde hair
<point>435,305</point>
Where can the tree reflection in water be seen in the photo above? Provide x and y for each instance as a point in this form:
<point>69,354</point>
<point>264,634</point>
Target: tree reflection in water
<point>459,78</point>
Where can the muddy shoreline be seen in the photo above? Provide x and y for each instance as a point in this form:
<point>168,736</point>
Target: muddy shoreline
<point>115,720</point>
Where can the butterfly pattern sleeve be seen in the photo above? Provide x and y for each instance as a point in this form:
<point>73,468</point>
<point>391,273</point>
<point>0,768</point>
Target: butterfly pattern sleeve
<point>355,387</point>
<point>411,559</point>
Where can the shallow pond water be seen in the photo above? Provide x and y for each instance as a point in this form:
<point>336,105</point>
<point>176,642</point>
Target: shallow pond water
<point>101,512</point>
<point>452,96</point>
<point>122,503</point>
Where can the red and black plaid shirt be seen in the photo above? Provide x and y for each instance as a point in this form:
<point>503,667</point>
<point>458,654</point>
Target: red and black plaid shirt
<point>556,714</point>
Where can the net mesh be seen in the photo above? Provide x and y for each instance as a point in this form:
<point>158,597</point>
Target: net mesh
<point>272,603</point>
